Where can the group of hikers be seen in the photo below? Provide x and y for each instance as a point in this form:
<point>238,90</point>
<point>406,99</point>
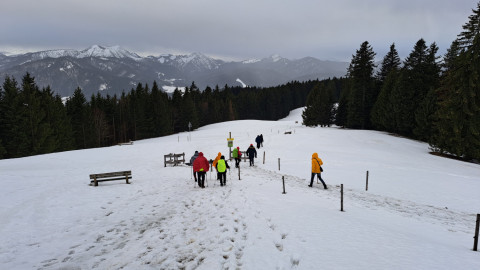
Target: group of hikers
<point>201,165</point>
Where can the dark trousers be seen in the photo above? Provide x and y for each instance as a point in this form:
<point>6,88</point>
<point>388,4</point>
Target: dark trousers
<point>258,145</point>
<point>201,179</point>
<point>222,176</point>
<point>251,161</point>
<point>237,162</point>
<point>194,175</point>
<point>319,177</point>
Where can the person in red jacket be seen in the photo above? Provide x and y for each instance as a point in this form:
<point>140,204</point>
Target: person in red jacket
<point>201,166</point>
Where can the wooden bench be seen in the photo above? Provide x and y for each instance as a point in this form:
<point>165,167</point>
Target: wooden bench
<point>174,159</point>
<point>111,176</point>
<point>126,143</point>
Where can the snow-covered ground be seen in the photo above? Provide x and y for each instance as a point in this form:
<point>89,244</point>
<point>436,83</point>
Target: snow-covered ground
<point>418,213</point>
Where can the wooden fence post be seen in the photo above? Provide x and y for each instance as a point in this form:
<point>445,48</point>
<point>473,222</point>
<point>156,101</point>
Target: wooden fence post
<point>279,164</point>
<point>239,172</point>
<point>341,197</point>
<point>475,242</point>
<point>283,180</point>
<point>366,187</point>
<point>263,157</point>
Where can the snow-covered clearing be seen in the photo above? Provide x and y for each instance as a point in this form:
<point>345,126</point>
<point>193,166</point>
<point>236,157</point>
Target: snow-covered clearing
<point>419,211</point>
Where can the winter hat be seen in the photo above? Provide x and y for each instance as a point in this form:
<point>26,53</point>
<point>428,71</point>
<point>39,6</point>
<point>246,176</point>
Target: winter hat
<point>201,154</point>
<point>196,152</point>
<point>238,147</point>
<point>222,157</point>
<point>251,144</point>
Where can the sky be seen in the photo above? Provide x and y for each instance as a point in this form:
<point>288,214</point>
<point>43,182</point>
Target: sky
<point>236,30</point>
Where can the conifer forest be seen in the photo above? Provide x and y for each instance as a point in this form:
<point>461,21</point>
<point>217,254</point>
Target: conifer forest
<point>428,97</point>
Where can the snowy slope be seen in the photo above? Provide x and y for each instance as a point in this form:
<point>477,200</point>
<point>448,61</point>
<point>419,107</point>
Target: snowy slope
<point>419,211</point>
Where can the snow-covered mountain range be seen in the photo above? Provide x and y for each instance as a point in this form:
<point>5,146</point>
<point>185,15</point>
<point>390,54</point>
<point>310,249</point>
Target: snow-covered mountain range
<point>114,69</point>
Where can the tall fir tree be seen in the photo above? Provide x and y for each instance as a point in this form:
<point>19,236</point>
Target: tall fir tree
<point>425,112</point>
<point>10,119</point>
<point>458,116</point>
<point>77,111</point>
<point>363,91</point>
<point>319,109</point>
<point>56,115</point>
<point>382,115</point>
<point>418,76</point>
<point>33,120</point>
<point>391,62</point>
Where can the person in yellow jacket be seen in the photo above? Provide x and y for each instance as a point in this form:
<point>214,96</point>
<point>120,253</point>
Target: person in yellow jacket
<point>215,161</point>
<point>317,169</point>
<point>222,167</point>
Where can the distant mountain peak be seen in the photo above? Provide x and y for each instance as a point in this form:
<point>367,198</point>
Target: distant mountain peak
<point>107,52</point>
<point>92,51</point>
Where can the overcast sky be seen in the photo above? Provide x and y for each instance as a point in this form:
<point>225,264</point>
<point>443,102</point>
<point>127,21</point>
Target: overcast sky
<point>232,29</point>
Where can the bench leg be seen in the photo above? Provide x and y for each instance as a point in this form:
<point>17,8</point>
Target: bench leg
<point>95,183</point>
<point>126,178</point>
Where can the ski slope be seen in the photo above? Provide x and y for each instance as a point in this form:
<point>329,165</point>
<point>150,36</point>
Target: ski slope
<point>418,213</point>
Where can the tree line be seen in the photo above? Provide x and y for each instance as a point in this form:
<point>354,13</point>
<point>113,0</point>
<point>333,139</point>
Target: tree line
<point>425,97</point>
<point>36,121</point>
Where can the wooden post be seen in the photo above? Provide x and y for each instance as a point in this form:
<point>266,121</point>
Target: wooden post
<point>95,183</point>
<point>263,157</point>
<point>283,180</point>
<point>366,187</point>
<point>475,242</point>
<point>341,197</point>
<point>279,164</point>
<point>239,172</point>
<point>126,178</point>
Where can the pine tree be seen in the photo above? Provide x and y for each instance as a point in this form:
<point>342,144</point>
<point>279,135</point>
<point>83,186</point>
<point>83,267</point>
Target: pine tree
<point>382,115</point>
<point>10,119</point>
<point>363,92</point>
<point>418,76</point>
<point>425,112</point>
<point>2,150</point>
<point>391,62</point>
<point>161,113</point>
<point>458,124</point>
<point>33,120</point>
<point>471,29</point>
<point>319,109</point>
<point>56,116</point>
<point>77,111</point>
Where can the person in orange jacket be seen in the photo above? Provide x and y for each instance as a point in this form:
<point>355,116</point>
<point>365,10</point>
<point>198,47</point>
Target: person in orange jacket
<point>201,166</point>
<point>215,161</point>
<point>317,169</point>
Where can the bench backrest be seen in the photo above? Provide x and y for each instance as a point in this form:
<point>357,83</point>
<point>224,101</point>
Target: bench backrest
<point>110,174</point>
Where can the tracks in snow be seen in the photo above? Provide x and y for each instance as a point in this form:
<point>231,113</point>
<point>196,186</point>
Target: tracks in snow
<point>453,220</point>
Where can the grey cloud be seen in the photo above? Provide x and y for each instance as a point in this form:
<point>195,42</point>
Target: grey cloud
<point>239,29</point>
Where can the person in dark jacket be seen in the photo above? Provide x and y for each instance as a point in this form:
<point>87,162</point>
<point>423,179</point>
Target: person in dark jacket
<point>258,141</point>
<point>251,153</point>
<point>201,166</point>
<point>222,167</point>
<point>192,159</point>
